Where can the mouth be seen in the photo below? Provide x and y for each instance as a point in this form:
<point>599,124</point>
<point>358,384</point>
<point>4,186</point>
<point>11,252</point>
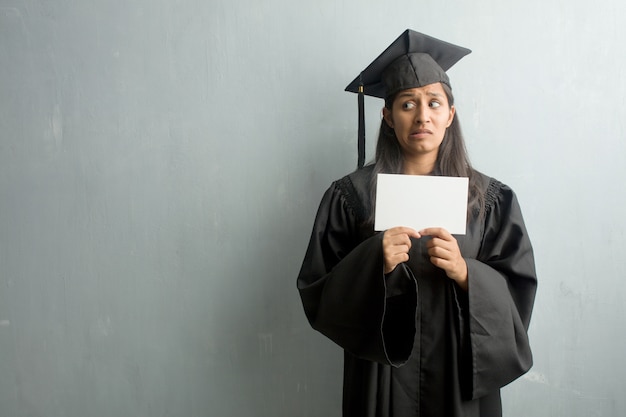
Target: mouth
<point>421,133</point>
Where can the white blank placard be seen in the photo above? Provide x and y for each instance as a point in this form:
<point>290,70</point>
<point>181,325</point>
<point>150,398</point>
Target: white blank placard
<point>421,201</point>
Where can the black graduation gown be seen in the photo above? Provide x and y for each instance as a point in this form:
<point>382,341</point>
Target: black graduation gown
<point>415,343</point>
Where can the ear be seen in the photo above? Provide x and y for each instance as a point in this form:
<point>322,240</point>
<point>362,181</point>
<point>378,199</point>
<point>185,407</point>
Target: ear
<point>388,117</point>
<point>451,117</point>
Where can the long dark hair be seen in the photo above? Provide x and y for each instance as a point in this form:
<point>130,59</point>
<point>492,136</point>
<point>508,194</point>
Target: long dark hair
<point>452,158</point>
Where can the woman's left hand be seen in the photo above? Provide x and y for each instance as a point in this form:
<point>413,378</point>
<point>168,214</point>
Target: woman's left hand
<point>444,253</point>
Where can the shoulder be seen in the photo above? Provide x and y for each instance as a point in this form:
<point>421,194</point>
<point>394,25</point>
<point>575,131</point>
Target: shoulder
<point>354,189</point>
<point>495,192</point>
<point>359,180</point>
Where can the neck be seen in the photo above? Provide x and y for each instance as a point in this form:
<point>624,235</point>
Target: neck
<point>418,167</point>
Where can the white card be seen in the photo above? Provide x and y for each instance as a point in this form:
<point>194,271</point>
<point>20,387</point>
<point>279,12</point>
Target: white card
<point>421,201</point>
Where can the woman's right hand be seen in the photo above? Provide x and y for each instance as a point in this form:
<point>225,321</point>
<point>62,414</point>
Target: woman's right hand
<point>396,245</point>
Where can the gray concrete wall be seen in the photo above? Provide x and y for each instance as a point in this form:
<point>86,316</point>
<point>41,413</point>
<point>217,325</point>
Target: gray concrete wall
<point>161,164</point>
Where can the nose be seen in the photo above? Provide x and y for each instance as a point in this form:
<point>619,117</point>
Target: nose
<point>422,114</point>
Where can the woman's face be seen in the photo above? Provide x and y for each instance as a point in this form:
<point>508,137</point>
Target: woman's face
<point>419,117</point>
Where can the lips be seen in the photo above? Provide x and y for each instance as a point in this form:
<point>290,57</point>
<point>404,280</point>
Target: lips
<point>421,132</point>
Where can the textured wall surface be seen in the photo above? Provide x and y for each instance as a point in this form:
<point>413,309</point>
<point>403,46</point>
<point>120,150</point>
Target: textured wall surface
<point>161,163</point>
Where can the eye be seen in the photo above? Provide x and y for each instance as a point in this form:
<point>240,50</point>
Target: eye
<point>434,104</point>
<point>408,105</point>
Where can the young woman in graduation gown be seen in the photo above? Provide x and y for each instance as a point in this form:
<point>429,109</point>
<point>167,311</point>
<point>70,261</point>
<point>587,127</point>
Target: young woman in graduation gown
<point>431,324</point>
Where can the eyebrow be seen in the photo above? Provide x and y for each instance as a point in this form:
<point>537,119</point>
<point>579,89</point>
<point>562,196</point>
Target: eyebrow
<point>429,93</point>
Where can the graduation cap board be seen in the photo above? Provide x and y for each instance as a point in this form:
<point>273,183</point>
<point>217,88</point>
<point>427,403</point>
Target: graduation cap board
<point>412,60</point>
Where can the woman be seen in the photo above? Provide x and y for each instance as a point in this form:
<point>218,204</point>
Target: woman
<point>431,324</point>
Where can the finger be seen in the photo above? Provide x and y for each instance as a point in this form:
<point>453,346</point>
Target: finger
<point>403,230</point>
<point>436,232</point>
<point>440,243</point>
<point>391,239</point>
<point>440,253</point>
<point>397,240</point>
<point>401,257</point>
<point>397,250</point>
<point>400,238</point>
<point>440,263</point>
<point>393,262</point>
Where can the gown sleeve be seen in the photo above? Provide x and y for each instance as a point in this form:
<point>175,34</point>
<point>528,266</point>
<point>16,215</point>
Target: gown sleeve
<point>345,293</point>
<point>501,291</point>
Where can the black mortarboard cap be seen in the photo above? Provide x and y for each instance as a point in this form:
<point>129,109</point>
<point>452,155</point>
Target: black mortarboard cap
<point>412,60</point>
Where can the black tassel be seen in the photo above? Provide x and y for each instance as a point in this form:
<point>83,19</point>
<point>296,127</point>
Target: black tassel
<point>361,137</point>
